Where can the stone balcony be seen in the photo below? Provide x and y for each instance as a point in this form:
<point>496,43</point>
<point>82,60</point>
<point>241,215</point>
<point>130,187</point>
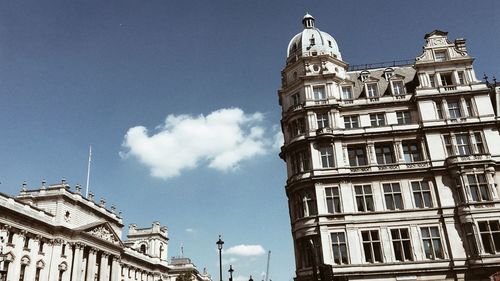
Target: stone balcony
<point>467,159</point>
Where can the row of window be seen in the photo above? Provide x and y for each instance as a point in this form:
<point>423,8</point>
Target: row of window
<point>455,108</point>
<point>477,189</point>
<point>371,89</point>
<point>297,126</point>
<point>401,245</point>
<point>357,155</point>
<point>305,204</point>
<point>463,143</point>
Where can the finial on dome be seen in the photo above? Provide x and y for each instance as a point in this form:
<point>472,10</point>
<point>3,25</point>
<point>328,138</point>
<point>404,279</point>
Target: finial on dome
<point>308,21</point>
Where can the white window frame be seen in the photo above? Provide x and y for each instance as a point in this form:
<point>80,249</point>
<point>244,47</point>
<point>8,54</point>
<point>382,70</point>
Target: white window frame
<point>339,244</point>
<point>392,194</point>
<point>400,90</point>
<point>332,197</point>
<point>319,95</point>
<point>432,237</point>
<point>372,90</point>
<point>409,143</point>
<point>349,119</point>
<point>349,91</point>
<point>403,117</point>
<point>421,192</point>
<point>364,196</point>
<point>401,241</point>
<point>490,233</point>
<point>324,122</point>
<point>371,241</point>
<point>329,154</point>
<point>377,119</point>
<point>477,184</point>
<point>443,55</point>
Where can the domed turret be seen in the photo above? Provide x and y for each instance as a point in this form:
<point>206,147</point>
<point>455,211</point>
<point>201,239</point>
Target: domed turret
<point>312,41</point>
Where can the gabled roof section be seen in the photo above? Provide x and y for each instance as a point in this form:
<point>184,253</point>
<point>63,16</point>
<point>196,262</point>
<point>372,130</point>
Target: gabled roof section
<point>103,231</point>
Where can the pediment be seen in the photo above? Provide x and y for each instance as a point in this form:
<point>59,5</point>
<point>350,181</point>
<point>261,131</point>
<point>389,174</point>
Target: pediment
<point>397,77</point>
<point>103,231</point>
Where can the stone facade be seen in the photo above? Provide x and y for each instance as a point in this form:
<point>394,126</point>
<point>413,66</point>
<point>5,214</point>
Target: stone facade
<point>393,169</point>
<point>55,234</point>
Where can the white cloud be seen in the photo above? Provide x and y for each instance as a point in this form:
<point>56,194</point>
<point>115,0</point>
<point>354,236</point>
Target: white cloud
<point>241,278</point>
<point>221,139</point>
<point>190,230</point>
<point>246,250</point>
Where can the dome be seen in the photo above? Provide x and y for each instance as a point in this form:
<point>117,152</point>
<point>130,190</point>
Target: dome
<point>312,40</point>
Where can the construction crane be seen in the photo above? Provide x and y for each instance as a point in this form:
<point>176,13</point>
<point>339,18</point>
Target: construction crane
<point>267,269</point>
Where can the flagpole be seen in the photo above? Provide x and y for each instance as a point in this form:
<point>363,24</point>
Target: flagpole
<point>88,172</point>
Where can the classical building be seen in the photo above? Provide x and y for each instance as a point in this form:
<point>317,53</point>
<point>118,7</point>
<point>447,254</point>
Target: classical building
<point>55,234</point>
<point>393,169</point>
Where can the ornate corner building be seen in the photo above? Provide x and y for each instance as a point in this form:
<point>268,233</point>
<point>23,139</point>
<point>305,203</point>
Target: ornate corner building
<point>393,168</point>
<point>55,234</point>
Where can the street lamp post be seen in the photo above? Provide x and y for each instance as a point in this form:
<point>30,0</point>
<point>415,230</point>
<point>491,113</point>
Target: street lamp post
<point>231,270</point>
<point>219,246</point>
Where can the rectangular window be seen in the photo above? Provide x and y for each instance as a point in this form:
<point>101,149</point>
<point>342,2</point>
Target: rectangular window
<point>319,93</point>
<point>463,146</point>
<point>26,242</point>
<point>432,243</point>
<point>364,198</point>
<point>346,93</point>
<point>333,200</point>
<point>22,272</point>
<point>448,145</point>
<point>490,236</point>
<point>295,99</point>
<point>357,156</point>
<point>392,196</point>
<point>37,274</point>
<point>326,154</point>
<point>377,119</point>
<point>461,78</point>
<point>40,246</point>
<point>468,107</point>
<point>398,88</point>
<point>371,90</point>
<point>478,186</point>
<point>300,161</point>
<point>384,153</point>
<point>422,194</point>
<point>372,246</point>
<point>446,79</point>
<point>411,152</point>
<point>351,122</point>
<point>403,117</point>
<point>339,247</point>
<point>478,141</point>
<point>454,109</point>
<point>439,109</point>
<point>297,127</point>
<point>401,244</point>
<point>322,119</point>
<point>432,80</point>
<point>309,205</point>
<point>440,55</point>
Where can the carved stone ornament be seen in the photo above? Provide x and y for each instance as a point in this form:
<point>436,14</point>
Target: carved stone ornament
<point>104,233</point>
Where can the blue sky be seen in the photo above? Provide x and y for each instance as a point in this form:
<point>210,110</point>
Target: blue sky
<point>139,80</point>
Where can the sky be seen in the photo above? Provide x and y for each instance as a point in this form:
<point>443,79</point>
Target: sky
<point>179,102</point>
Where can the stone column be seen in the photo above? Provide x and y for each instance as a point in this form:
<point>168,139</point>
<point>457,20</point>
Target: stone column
<point>91,264</point>
<point>116,269</point>
<point>103,267</point>
<point>77,263</point>
<point>54,259</point>
<point>370,154</point>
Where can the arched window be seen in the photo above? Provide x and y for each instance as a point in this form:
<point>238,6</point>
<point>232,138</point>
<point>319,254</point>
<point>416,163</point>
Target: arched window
<point>143,248</point>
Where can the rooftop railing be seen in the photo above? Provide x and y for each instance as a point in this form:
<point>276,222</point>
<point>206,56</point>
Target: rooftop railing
<point>381,65</point>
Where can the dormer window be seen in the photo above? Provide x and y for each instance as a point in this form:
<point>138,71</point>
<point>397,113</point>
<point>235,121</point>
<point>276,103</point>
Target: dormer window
<point>329,43</point>
<point>440,55</point>
<point>364,75</point>
<point>346,92</point>
<point>388,73</point>
<point>398,88</point>
<point>371,90</point>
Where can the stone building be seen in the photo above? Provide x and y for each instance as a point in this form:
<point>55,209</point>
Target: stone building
<point>55,234</point>
<point>393,168</point>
